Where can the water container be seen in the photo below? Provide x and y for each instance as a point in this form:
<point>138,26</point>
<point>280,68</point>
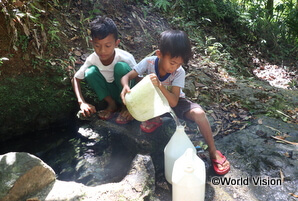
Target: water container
<point>146,101</point>
<point>189,177</point>
<point>175,148</point>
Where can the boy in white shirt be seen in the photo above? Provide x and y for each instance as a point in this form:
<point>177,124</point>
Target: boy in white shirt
<point>103,70</point>
<point>166,73</point>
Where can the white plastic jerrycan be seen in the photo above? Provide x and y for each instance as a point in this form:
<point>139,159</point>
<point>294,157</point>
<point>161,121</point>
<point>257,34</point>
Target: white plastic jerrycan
<point>175,148</point>
<point>145,101</point>
<point>189,178</point>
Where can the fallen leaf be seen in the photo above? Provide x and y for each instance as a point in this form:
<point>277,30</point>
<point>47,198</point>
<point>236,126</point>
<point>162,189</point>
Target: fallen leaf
<point>18,4</point>
<point>244,126</point>
<point>74,38</point>
<point>236,122</point>
<point>233,115</point>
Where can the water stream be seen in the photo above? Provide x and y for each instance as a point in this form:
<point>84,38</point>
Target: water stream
<point>175,118</point>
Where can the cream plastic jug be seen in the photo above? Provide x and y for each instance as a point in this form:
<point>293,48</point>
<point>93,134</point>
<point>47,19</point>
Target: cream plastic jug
<point>175,148</point>
<point>189,177</point>
<point>145,101</point>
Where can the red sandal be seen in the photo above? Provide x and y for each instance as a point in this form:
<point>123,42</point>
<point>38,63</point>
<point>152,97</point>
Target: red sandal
<point>123,120</point>
<point>106,114</point>
<point>221,162</point>
<point>153,126</point>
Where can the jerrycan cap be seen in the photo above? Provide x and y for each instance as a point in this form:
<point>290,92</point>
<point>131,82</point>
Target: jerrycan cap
<point>189,153</point>
<point>189,168</point>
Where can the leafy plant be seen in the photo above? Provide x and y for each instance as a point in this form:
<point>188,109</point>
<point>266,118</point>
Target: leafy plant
<point>23,42</point>
<point>53,31</point>
<point>202,145</point>
<point>162,4</point>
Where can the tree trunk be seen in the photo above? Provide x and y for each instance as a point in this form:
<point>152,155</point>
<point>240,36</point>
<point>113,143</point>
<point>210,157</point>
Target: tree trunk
<point>269,8</point>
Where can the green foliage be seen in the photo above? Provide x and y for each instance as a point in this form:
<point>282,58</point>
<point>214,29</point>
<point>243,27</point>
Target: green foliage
<point>276,108</point>
<point>292,22</point>
<point>248,20</point>
<point>20,18</point>
<point>23,42</point>
<point>31,21</point>
<point>30,98</point>
<point>146,2</point>
<point>83,31</point>
<point>282,24</point>
<point>53,34</point>
<point>162,4</point>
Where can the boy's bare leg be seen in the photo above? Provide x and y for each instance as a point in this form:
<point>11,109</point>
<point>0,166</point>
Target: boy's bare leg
<point>199,116</point>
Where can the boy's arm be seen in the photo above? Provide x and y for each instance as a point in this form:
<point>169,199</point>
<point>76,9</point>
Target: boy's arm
<point>86,108</point>
<point>125,83</point>
<point>172,96</point>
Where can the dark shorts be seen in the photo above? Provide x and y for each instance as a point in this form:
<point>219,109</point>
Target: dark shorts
<point>184,105</point>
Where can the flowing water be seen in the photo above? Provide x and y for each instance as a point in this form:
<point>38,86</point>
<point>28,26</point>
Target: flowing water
<point>175,118</point>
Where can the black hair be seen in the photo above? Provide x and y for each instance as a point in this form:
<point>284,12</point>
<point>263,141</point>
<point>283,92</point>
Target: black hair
<point>101,27</point>
<point>176,43</point>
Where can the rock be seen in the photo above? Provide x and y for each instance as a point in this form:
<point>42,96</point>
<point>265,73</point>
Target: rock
<point>139,184</point>
<point>253,153</point>
<point>190,88</point>
<point>131,135</point>
<point>21,174</point>
<point>77,53</point>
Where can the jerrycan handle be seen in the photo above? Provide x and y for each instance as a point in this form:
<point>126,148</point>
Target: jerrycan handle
<point>189,156</point>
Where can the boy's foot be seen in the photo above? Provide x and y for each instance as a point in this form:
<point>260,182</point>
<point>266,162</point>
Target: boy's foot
<point>106,114</point>
<point>124,117</point>
<point>151,125</point>
<point>220,164</point>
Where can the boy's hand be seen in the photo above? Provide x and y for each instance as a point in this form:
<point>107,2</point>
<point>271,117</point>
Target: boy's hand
<point>154,79</point>
<point>126,89</point>
<point>87,109</point>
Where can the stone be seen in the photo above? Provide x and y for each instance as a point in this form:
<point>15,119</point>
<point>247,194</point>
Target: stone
<point>190,88</point>
<point>21,174</point>
<point>132,136</point>
<point>138,184</point>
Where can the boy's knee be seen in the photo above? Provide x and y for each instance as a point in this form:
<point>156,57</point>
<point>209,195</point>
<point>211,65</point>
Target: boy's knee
<point>198,113</point>
<point>121,65</point>
<point>90,72</point>
<point>121,68</point>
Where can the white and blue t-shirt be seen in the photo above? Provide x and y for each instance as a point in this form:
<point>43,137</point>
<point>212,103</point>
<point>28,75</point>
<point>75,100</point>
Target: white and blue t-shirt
<point>150,65</point>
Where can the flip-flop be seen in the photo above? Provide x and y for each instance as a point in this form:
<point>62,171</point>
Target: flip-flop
<point>153,128</point>
<point>122,120</point>
<point>105,117</point>
<point>221,162</point>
